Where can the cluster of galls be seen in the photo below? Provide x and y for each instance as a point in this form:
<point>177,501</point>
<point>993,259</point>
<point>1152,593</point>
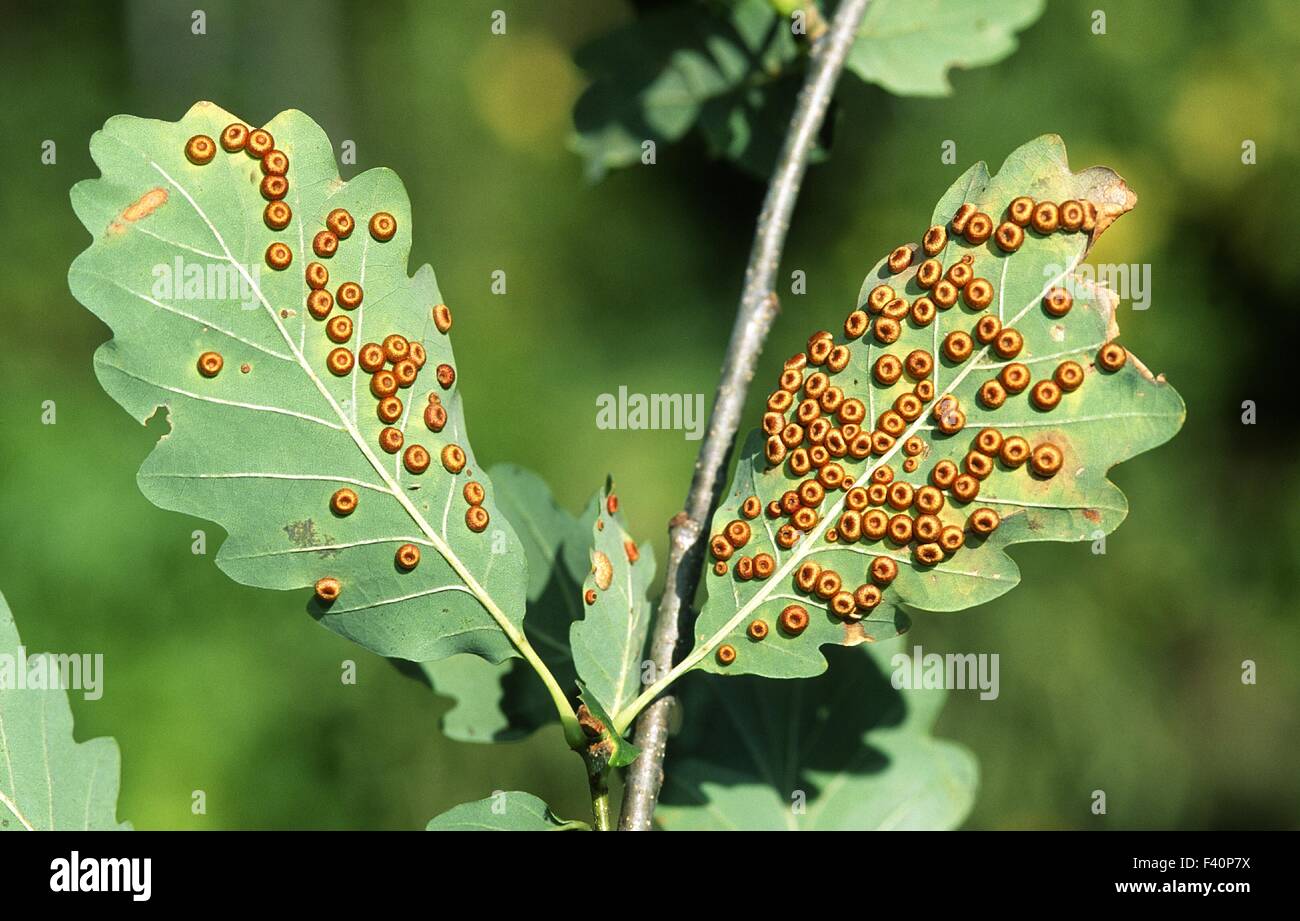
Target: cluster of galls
<point>393,364</point>
<point>811,426</point>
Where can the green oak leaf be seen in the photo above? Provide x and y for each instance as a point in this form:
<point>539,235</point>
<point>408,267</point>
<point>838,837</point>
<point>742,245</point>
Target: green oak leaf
<point>609,642</point>
<point>48,780</point>
<point>908,46</point>
<point>261,447</point>
<point>841,752</point>
<point>1113,416</point>
<point>734,69</point>
<point>607,748</point>
<point>504,811</point>
<point>501,702</point>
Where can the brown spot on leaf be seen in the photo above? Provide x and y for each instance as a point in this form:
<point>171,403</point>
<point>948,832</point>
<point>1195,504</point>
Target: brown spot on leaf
<point>1092,515</point>
<point>855,632</point>
<point>141,208</point>
<point>602,569</point>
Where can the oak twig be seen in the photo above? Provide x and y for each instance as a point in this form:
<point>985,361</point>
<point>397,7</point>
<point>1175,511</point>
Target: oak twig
<point>758,308</point>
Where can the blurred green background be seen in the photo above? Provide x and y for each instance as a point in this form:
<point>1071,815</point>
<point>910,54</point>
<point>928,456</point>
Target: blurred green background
<point>1118,672</point>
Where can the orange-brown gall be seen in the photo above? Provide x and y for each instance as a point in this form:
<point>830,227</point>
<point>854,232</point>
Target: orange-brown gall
<point>901,495</point>
<point>339,361</point>
<point>875,523</point>
<point>474,493</point>
<point>1014,451</point>
<point>944,294</point>
<point>745,568</point>
<point>929,273</point>
<point>405,371</point>
<point>738,533</point>
<point>259,143</point>
<point>977,464</point>
<point>1089,216</point>
<point>774,450</point>
<point>838,359</point>
<point>805,577</point>
<point>339,329</point>
<point>880,296</point>
<point>349,295</point>
<point>453,459</point>
<point>446,375</point>
<point>1021,210</point>
<point>918,364</point>
<point>382,226</point>
<point>928,500</point>
<point>234,137</point>
<point>978,228</point>
<point>328,589</point>
<point>909,406</point>
<point>819,348</point>
<point>900,529</point>
<point>275,163</point>
<point>415,351</point>
<point>866,597</point>
<point>852,411</point>
<point>987,329</point>
<point>415,459</point>
<point>935,239</point>
<point>278,256</point>
<point>923,311</point>
<point>1111,357</point>
<point>842,604</point>
<point>383,384</point>
<point>794,619</point>
<point>965,487</point>
<point>1058,302</point>
<point>407,557</point>
<point>1046,217</point>
<point>1045,395</point>
<point>200,149</point>
<point>477,518</point>
<point>888,369</point>
<point>1046,460</point>
<point>900,258</point>
<point>951,538</point>
<point>988,441</point>
<point>928,554</point>
<point>992,394</point>
<point>277,215</point>
<point>340,222</point>
<point>962,217</point>
<point>317,275</point>
<point>757,630</point>
<point>925,390</point>
<point>887,330</point>
<point>1068,376</point>
<point>883,570</point>
<point>957,345</point>
<point>944,474</point>
<point>978,294</point>
<point>319,303</point>
<point>1009,343</point>
<point>325,244</point>
<point>396,347</point>
<point>389,410</point>
<point>855,324</point>
<point>1014,377</point>
<point>1071,215</point>
<point>805,519</point>
<point>961,273</point>
<point>435,417</point>
<point>983,521</point>
<point>719,568</point>
<point>913,446</point>
<point>881,443</point>
<point>828,583</point>
<point>1009,236</point>
<point>764,565</point>
<point>274,188</point>
<point>371,356</point>
<point>589,596</point>
<point>442,317</point>
<point>811,493</point>
<point>391,439</point>
<point>210,364</point>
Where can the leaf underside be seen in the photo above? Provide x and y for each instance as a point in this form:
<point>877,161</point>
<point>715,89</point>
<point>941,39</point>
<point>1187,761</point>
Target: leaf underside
<point>512,811</point>
<point>1112,416</point>
<point>603,643</point>
<point>841,752</point>
<point>263,446</point>
<point>49,781</point>
<point>733,70</point>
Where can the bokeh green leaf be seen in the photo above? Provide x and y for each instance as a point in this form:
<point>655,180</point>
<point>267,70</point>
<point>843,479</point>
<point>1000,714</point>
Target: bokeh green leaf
<point>841,752</point>
<point>733,69</point>
<point>503,811</point>
<point>261,447</point>
<point>48,780</point>
<point>1112,416</point>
